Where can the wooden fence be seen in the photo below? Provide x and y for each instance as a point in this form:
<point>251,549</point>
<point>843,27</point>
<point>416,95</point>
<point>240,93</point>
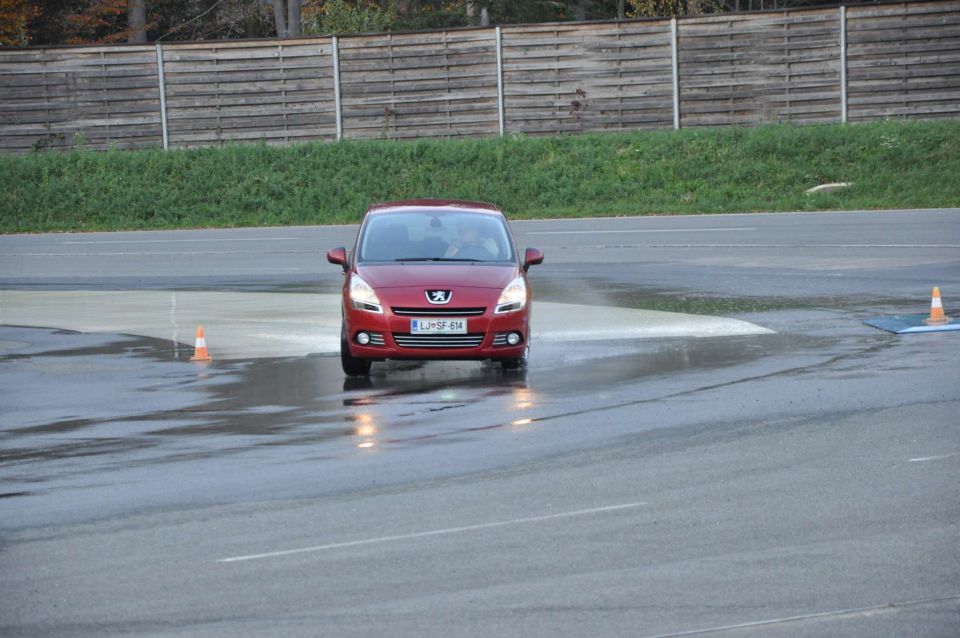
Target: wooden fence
<point>818,65</point>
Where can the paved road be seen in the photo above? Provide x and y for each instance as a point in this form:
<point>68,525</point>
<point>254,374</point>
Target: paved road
<point>804,480</point>
<point>731,254</point>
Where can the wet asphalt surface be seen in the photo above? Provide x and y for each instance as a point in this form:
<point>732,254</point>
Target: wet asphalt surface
<point>808,479</point>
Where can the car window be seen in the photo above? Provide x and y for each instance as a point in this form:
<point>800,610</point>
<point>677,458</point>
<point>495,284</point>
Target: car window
<point>435,236</point>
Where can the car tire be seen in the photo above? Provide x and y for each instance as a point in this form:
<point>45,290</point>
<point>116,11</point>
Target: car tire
<point>352,366</point>
<point>518,363</point>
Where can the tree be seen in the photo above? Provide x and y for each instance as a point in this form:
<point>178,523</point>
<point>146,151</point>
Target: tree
<point>211,19</point>
<point>342,16</point>
<point>287,15</point>
<point>294,25</point>
<point>656,8</point>
<point>97,21</point>
<point>15,16</point>
<point>579,10</point>
<point>137,21</point>
<point>52,22</point>
<point>471,11</point>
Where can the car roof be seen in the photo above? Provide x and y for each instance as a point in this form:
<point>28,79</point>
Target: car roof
<point>438,204</point>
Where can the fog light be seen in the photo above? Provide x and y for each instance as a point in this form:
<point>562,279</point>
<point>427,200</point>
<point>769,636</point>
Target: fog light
<point>513,338</point>
<point>363,338</point>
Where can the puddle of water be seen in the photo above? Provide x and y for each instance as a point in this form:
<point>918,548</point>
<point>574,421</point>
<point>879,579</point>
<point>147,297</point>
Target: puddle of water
<point>307,401</point>
<point>603,292</point>
<point>237,427</point>
<point>62,387</point>
<point>600,291</point>
<point>411,401</point>
<point>11,346</point>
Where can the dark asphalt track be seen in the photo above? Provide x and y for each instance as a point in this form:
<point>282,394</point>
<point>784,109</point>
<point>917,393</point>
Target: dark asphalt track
<point>804,483</point>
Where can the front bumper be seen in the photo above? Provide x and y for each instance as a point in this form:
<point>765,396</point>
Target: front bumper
<point>488,331</point>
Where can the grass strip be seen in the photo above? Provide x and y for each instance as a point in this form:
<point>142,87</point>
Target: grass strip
<point>891,164</point>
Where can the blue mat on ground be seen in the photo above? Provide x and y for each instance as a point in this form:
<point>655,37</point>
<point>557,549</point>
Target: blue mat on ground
<point>907,324</point>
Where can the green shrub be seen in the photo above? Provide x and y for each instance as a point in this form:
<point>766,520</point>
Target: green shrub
<point>901,164</point>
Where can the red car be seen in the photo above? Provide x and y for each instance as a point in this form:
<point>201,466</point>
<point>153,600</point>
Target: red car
<point>434,279</point>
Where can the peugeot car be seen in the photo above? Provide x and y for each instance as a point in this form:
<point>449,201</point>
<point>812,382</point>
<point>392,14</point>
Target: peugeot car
<point>434,279</point>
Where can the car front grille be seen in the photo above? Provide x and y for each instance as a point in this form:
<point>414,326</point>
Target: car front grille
<point>439,312</point>
<point>407,340</point>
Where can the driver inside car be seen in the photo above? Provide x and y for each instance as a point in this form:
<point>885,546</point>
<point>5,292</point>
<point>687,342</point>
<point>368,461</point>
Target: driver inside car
<point>470,236</point>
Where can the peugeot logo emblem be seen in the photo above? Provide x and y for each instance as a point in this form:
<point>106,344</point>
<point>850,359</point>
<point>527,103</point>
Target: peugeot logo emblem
<point>439,297</point>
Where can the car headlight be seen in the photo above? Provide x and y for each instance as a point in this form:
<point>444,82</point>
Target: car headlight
<point>513,297</point>
<point>362,296</point>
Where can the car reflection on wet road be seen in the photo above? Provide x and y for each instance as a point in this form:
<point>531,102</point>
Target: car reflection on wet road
<point>803,474</point>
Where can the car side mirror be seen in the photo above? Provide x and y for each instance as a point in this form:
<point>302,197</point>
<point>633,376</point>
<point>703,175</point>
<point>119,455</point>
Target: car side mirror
<point>338,256</point>
<point>532,257</point>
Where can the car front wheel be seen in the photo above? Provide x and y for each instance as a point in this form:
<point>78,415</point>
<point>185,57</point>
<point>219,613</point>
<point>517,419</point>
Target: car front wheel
<point>352,366</point>
<point>518,363</point>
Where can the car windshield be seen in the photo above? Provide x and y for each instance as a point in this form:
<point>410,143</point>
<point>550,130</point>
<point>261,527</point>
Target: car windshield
<point>435,236</point>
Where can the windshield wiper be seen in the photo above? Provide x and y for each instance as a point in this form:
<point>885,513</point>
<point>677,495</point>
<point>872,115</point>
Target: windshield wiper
<point>435,259</point>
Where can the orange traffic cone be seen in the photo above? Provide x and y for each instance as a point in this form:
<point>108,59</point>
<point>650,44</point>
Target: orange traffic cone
<point>936,310</point>
<point>200,353</point>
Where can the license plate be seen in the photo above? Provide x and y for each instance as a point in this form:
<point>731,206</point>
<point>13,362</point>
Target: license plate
<point>438,326</point>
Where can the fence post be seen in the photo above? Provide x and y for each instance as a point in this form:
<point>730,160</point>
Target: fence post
<point>500,80</point>
<point>675,63</point>
<point>843,64</point>
<point>336,88</point>
<point>163,97</point>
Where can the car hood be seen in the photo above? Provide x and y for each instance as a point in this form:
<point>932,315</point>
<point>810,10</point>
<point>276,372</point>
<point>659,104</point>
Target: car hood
<point>401,275</point>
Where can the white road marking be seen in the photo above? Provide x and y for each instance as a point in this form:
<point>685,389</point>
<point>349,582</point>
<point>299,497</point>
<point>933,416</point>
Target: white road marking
<point>596,246</point>
<point>436,532</point>
<point>921,459</point>
<point>166,252</point>
<point>803,246</point>
<point>785,213</point>
<point>858,611</point>
<point>622,231</point>
<point>176,241</point>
